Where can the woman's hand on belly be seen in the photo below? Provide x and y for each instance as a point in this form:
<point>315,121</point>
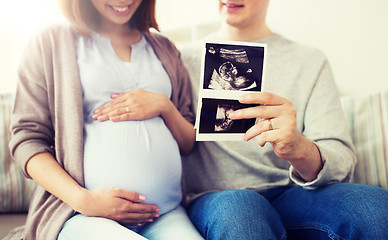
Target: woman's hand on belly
<point>132,105</point>
<point>123,206</point>
<point>141,105</point>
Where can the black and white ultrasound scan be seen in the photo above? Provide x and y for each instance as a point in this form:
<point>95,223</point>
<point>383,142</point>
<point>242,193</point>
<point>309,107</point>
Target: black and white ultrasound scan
<point>233,67</point>
<point>229,69</point>
<point>214,118</point>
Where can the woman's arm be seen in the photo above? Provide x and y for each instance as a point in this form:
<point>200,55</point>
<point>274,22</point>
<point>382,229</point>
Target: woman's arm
<point>182,130</point>
<point>140,105</point>
<point>117,204</point>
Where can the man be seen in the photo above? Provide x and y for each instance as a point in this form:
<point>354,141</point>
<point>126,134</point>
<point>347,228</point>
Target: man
<point>287,180</point>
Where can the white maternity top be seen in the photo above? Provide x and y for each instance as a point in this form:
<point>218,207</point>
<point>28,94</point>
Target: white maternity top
<point>140,156</point>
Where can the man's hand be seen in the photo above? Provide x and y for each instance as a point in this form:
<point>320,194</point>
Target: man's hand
<point>277,126</point>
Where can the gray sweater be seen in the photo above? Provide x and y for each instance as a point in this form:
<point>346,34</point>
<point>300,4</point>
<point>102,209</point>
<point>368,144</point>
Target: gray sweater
<point>302,75</point>
<point>48,113</point>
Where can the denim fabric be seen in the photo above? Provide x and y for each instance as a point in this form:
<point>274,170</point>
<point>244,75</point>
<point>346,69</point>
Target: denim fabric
<point>338,211</point>
<point>237,215</point>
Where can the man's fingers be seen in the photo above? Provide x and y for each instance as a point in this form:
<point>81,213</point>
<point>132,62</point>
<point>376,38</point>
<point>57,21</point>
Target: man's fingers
<point>268,136</point>
<point>265,125</point>
<point>256,112</point>
<point>262,98</point>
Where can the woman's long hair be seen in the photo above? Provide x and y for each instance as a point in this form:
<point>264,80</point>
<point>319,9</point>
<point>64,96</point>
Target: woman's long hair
<point>85,18</point>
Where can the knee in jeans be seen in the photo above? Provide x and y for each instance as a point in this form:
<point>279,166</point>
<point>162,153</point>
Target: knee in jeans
<point>240,214</point>
<point>364,206</point>
<point>238,204</point>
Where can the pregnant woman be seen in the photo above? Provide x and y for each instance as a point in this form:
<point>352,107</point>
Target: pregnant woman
<point>102,114</point>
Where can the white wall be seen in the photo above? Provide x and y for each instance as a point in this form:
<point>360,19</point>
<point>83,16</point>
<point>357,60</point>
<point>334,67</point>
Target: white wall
<point>173,14</point>
<point>352,33</point>
<point>18,20</point>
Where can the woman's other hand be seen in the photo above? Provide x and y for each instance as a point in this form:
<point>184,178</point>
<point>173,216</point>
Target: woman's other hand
<point>123,206</point>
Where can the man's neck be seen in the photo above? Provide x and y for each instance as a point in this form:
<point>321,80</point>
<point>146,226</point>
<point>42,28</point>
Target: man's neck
<point>247,34</point>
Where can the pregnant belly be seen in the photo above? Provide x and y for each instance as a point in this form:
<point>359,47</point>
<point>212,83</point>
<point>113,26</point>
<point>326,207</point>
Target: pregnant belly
<point>139,156</point>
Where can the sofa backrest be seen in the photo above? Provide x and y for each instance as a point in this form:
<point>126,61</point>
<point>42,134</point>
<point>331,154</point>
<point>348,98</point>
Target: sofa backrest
<point>368,125</point>
<point>15,189</point>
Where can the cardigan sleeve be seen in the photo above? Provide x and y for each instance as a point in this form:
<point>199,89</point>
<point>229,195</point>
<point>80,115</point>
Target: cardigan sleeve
<point>170,57</point>
<point>31,126</point>
<point>185,104</point>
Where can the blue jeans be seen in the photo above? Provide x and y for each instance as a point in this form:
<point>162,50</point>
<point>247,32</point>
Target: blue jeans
<point>337,211</point>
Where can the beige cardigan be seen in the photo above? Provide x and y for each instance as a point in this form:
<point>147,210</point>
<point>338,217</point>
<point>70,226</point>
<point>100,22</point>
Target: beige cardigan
<point>48,113</point>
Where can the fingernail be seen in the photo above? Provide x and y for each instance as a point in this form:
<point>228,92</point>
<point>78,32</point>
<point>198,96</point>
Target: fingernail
<point>157,210</point>
<point>245,138</point>
<point>232,114</point>
<point>141,197</point>
<point>97,110</point>
<point>100,118</point>
<point>242,98</point>
<point>157,215</point>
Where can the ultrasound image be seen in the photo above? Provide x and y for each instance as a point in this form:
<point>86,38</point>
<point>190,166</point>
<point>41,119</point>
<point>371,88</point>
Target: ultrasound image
<point>229,67</point>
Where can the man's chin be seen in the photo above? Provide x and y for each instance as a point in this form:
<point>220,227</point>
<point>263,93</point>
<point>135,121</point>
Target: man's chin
<point>231,21</point>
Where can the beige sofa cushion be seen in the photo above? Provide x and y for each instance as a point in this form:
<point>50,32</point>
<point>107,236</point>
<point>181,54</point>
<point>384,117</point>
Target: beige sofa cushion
<point>15,190</point>
<point>368,121</point>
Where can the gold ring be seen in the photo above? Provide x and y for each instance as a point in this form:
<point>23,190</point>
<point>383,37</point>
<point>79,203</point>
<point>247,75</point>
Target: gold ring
<point>127,109</point>
<point>270,127</point>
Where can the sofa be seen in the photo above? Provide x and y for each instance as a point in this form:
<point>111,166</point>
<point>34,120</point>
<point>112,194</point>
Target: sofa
<point>368,125</point>
<point>15,190</point>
